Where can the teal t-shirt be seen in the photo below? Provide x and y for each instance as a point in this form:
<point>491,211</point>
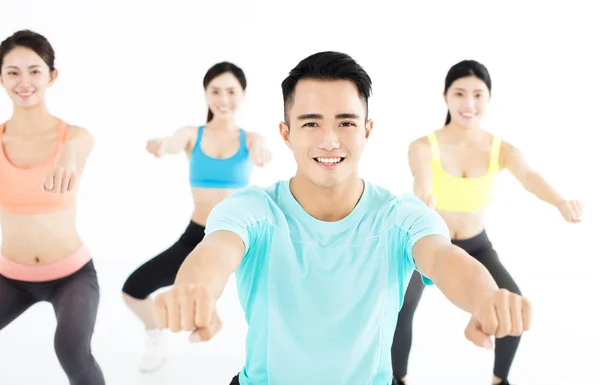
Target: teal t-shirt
<point>321,299</point>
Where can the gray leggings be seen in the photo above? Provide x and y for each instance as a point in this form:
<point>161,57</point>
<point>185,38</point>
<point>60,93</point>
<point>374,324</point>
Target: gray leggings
<point>75,301</point>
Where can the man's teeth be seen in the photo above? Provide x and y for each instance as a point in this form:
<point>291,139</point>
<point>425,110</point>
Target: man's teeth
<point>329,160</point>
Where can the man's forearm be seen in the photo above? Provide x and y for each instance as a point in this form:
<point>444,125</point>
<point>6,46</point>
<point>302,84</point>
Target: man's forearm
<point>461,278</point>
<point>210,264</point>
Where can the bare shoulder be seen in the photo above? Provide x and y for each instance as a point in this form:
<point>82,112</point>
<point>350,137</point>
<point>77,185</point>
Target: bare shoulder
<point>75,131</point>
<point>508,153</point>
<point>420,147</point>
<point>189,134</point>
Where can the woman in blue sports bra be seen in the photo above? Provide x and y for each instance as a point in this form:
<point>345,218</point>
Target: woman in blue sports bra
<point>221,158</point>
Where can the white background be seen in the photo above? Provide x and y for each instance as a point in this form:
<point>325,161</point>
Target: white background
<point>132,71</point>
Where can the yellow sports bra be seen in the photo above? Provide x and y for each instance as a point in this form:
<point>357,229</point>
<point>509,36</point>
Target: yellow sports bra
<point>462,194</point>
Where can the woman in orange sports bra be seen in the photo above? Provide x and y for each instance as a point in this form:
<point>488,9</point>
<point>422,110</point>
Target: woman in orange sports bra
<point>221,159</point>
<point>454,170</point>
<point>42,256</point>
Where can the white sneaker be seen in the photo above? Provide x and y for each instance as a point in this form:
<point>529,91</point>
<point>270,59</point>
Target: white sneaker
<point>155,352</point>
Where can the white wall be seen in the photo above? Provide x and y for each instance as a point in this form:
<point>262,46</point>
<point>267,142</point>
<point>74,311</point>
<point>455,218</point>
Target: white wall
<point>132,71</point>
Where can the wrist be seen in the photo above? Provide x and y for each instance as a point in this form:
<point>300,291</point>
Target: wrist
<point>559,202</point>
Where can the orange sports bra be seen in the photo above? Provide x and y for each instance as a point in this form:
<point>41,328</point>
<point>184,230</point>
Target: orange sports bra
<point>21,189</point>
<point>462,194</point>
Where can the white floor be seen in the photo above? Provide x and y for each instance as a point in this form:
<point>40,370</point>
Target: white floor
<point>553,353</point>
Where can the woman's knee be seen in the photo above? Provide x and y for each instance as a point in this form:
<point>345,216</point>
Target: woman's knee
<point>72,344</point>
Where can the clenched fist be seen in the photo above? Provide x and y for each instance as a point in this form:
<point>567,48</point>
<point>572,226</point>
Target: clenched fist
<point>260,155</point>
<point>61,180</point>
<point>572,211</point>
<point>191,308</point>
<point>156,147</point>
<point>498,315</point>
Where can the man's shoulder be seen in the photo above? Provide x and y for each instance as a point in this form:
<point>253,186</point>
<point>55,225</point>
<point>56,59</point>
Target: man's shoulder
<point>255,198</point>
<point>254,191</point>
<point>382,196</point>
<point>396,207</point>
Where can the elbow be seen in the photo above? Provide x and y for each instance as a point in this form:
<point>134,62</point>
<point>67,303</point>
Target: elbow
<point>530,181</point>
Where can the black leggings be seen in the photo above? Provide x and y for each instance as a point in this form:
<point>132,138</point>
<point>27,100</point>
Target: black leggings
<point>75,301</point>
<point>480,248</point>
<point>161,270</point>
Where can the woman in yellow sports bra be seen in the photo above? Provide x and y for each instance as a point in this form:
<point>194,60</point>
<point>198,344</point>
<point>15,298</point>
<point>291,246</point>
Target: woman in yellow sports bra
<point>454,169</point>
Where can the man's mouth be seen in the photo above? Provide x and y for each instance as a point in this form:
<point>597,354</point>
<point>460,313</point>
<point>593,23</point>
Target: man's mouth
<point>328,161</point>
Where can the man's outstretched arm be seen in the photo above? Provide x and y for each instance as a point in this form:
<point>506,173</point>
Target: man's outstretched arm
<point>232,228</point>
<point>468,285</point>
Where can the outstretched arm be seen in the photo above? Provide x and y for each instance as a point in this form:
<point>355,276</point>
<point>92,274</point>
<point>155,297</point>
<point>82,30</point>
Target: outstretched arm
<point>513,159</point>
<point>460,277</point>
<point>212,262</point>
<point>73,155</point>
<point>182,139</point>
<point>468,285</point>
<point>419,154</point>
<point>232,228</point>
<point>258,148</point>
<point>69,162</point>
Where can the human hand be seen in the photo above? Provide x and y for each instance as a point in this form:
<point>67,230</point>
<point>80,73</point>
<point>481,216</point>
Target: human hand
<point>571,210</point>
<point>259,155</point>
<point>61,179</point>
<point>156,147</point>
<point>499,314</point>
<point>191,308</point>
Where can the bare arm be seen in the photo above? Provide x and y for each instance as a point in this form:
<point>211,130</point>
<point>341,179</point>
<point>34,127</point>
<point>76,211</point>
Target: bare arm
<point>76,150</point>
<point>258,148</point>
<point>460,277</point>
<point>212,262</point>
<point>419,155</point>
<point>469,286</point>
<point>182,139</point>
<point>512,158</point>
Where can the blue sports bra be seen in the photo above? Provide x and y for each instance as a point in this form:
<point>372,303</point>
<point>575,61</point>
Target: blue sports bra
<point>209,172</point>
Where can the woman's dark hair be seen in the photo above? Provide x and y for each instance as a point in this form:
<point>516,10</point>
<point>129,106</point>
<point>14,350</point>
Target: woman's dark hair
<point>28,39</point>
<point>465,69</point>
<point>220,69</point>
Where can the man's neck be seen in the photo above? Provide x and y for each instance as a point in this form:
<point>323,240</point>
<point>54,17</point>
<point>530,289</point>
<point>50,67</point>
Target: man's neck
<point>329,205</point>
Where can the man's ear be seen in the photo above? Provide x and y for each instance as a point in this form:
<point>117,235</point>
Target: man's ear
<point>284,131</point>
<point>368,128</point>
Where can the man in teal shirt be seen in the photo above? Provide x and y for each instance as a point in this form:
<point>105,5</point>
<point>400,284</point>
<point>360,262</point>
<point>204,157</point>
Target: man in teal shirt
<point>322,260</point>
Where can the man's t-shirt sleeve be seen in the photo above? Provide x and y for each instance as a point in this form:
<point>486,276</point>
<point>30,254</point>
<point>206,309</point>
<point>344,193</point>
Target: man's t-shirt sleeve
<point>416,221</point>
<point>244,213</point>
